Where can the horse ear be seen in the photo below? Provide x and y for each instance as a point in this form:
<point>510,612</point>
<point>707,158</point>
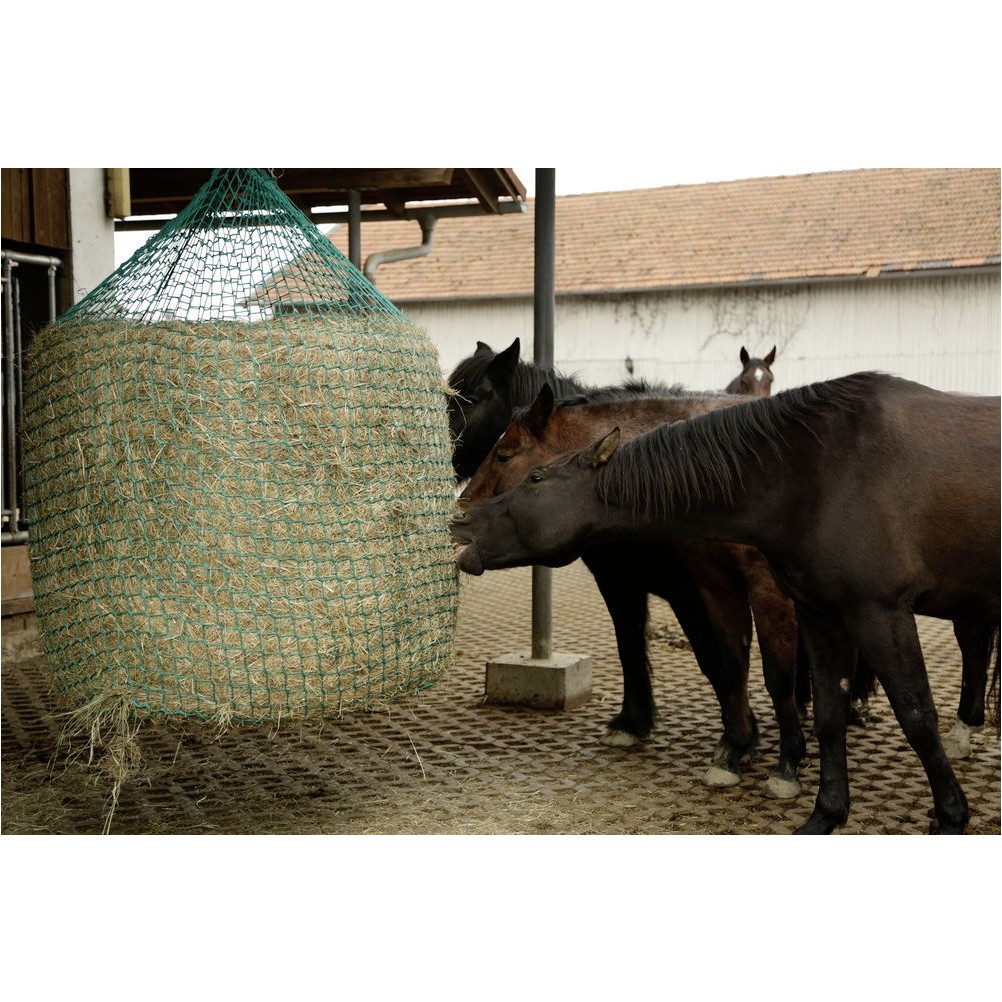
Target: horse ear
<point>503,364</point>
<point>540,411</point>
<point>771,357</point>
<point>744,356</point>
<point>483,349</point>
<point>602,451</point>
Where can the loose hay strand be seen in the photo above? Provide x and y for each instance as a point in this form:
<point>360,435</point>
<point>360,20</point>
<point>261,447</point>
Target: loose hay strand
<point>108,728</point>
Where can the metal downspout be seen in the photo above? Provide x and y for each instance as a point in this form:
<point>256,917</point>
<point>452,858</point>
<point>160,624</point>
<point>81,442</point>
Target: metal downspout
<point>427,221</point>
<point>355,228</point>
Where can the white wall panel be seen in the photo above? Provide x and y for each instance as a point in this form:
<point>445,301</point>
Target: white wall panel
<point>942,331</point>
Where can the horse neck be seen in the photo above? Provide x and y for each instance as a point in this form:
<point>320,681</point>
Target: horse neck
<point>689,480</point>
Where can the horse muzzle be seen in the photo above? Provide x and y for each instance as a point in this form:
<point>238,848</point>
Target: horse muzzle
<point>467,556</point>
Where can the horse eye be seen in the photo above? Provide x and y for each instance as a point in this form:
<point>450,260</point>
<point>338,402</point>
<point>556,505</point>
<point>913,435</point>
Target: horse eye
<point>536,476</point>
<point>503,457</point>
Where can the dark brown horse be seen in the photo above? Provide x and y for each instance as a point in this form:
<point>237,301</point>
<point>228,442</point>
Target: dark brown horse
<point>714,588</point>
<point>755,378</point>
<point>874,499</point>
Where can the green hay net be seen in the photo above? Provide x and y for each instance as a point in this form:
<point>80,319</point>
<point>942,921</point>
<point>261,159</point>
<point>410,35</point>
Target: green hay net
<point>238,476</point>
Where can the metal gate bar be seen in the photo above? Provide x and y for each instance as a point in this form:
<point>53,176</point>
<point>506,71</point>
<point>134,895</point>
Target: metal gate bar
<point>11,401</point>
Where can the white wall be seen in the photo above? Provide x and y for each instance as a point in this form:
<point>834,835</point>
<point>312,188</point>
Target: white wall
<point>941,331</point>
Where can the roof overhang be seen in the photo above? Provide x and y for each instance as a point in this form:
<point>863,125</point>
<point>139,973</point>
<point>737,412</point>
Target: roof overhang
<point>324,194</point>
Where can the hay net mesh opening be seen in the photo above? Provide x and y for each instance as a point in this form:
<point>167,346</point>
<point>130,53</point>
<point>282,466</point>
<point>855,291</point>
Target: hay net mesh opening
<point>238,476</point>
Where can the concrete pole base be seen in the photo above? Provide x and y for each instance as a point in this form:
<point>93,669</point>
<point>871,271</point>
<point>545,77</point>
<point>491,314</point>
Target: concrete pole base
<point>559,682</point>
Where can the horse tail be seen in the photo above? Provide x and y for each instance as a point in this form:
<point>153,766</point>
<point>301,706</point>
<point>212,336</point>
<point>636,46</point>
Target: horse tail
<point>993,690</point>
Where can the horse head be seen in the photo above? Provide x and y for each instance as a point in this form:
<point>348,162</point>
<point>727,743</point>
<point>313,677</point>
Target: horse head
<point>514,454</point>
<point>479,404</point>
<point>755,379</point>
<point>547,519</point>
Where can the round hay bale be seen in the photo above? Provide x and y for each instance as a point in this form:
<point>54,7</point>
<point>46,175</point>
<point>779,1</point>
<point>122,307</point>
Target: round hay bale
<point>238,478</point>
<point>240,521</point>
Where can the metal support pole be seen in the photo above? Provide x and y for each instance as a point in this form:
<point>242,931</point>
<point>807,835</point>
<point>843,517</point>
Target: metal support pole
<point>544,295</point>
<point>544,309</point>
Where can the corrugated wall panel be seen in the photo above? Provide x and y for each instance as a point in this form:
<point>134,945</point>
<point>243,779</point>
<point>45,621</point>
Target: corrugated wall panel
<point>942,331</point>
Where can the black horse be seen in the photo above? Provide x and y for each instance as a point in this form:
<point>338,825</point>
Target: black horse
<point>874,499</point>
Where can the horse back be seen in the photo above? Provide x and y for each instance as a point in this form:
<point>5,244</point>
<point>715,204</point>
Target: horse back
<point>576,426</point>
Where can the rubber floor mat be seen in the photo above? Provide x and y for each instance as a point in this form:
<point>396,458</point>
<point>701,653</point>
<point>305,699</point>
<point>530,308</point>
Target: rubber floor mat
<point>446,762</point>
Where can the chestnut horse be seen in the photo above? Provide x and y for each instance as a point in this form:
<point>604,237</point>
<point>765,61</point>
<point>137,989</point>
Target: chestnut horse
<point>755,378</point>
<point>874,499</point>
<point>713,588</point>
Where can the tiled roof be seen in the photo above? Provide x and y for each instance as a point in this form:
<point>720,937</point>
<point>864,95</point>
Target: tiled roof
<point>832,225</point>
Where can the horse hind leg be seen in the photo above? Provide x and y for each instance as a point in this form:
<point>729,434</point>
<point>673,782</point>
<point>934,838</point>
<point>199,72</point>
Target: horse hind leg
<point>720,635</point>
<point>891,643</point>
<point>831,656</point>
<point>783,782</point>
<point>776,627</point>
<point>976,641</point>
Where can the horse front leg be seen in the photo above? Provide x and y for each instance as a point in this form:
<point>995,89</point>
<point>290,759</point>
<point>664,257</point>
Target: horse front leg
<point>889,640</point>
<point>626,600</point>
<point>831,655</point>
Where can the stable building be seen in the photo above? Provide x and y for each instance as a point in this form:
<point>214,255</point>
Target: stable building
<point>896,270</point>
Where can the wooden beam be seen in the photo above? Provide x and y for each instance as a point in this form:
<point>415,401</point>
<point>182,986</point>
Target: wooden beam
<point>478,179</point>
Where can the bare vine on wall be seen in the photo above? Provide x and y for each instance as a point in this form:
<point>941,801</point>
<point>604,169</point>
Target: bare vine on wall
<point>759,317</point>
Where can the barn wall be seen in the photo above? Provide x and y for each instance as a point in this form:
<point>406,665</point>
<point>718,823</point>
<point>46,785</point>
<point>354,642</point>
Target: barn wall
<point>942,331</point>
<point>34,201</point>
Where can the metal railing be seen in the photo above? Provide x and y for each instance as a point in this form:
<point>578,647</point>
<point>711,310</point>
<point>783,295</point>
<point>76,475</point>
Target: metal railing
<point>15,522</point>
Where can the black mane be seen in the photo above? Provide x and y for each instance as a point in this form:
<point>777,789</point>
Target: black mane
<point>526,382</point>
<point>528,379</point>
<point>676,466</point>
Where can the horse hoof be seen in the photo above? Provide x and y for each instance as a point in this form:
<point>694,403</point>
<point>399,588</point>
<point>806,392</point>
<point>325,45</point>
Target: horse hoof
<point>619,739</point>
<point>719,778</point>
<point>779,788</point>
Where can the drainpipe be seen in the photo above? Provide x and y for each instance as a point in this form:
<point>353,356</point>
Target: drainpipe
<point>427,221</point>
<point>355,228</point>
